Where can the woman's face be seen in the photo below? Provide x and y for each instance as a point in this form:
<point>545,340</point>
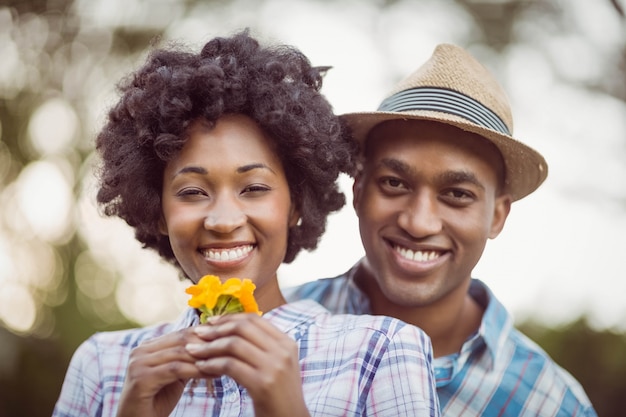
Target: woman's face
<point>227,207</point>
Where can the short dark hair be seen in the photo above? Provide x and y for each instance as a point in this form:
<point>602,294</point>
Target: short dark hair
<point>276,86</point>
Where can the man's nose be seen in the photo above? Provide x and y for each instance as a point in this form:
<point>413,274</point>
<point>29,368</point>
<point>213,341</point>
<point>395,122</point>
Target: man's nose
<point>421,217</point>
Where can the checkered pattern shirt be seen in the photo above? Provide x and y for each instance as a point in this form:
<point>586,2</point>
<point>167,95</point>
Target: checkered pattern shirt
<point>351,366</point>
<point>498,372</point>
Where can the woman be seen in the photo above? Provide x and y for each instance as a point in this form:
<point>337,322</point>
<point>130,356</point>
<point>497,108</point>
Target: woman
<point>225,162</point>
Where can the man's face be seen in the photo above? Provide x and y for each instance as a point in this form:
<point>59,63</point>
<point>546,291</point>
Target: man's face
<point>427,201</point>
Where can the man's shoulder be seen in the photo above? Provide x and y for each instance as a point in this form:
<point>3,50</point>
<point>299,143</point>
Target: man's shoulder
<point>527,350</point>
<point>314,290</point>
<point>529,362</point>
<point>521,365</point>
<point>520,351</point>
<point>339,294</point>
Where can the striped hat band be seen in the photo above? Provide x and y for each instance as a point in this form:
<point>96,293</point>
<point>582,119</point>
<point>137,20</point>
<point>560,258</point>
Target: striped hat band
<point>446,101</point>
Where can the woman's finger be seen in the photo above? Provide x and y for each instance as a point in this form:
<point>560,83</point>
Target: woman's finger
<point>250,350</point>
<point>251,327</point>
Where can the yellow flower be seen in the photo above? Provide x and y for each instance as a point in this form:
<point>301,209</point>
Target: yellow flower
<point>214,298</point>
<point>205,292</point>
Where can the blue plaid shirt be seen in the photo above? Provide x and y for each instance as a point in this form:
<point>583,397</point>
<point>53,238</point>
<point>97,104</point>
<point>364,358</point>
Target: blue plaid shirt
<point>351,366</point>
<point>498,372</point>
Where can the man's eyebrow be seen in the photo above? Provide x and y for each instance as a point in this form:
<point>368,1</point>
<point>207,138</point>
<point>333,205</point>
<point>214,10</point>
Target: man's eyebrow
<point>447,177</point>
<point>396,165</point>
<point>459,177</point>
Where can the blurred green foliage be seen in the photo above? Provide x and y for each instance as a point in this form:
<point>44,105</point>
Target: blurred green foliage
<point>597,359</point>
<point>48,50</point>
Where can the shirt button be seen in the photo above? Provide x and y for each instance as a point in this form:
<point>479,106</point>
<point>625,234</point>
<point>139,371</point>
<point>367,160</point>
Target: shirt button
<point>232,397</point>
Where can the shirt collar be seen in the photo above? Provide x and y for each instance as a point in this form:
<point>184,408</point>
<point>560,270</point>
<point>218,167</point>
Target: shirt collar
<point>496,323</point>
<point>359,303</point>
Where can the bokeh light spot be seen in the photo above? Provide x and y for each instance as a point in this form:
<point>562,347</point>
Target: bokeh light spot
<point>53,126</point>
<point>94,281</point>
<point>17,307</point>
<point>44,196</point>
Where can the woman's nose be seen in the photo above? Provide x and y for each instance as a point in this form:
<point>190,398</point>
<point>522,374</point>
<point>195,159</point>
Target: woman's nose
<point>224,216</point>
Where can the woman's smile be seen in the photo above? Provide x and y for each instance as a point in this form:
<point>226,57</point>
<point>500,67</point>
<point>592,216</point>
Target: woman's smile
<point>226,204</point>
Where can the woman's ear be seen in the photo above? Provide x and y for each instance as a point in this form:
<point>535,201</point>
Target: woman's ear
<point>356,191</point>
<point>294,216</point>
<point>163,226</point>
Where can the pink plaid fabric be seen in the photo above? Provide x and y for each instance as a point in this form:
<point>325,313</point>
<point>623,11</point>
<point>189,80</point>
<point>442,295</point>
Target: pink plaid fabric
<point>351,365</point>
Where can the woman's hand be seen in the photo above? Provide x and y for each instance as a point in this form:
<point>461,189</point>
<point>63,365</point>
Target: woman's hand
<point>157,373</point>
<point>258,356</point>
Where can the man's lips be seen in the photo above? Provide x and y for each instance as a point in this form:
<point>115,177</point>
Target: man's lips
<point>227,254</point>
<point>417,255</point>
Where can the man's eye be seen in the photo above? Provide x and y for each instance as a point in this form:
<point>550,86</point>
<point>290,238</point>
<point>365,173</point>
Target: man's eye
<point>392,186</point>
<point>391,182</point>
<point>459,195</point>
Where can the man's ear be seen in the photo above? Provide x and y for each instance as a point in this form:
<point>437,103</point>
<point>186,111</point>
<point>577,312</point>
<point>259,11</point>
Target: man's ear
<point>501,210</point>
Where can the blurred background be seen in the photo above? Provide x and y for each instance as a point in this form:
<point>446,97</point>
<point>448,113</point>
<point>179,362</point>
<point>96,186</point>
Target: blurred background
<point>66,272</point>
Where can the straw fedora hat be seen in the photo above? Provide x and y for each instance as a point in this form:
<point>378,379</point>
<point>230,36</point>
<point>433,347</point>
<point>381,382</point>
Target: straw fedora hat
<point>455,89</point>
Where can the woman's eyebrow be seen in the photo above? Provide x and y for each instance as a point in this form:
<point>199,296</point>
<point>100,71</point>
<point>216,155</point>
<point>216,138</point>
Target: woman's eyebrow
<point>250,167</point>
<point>191,170</point>
<point>202,171</point>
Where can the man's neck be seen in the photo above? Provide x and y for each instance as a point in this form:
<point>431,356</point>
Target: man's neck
<point>449,321</point>
<point>449,329</point>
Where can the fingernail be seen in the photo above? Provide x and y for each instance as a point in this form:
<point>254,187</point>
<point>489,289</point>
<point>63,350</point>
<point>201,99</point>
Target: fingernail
<point>202,330</point>
<point>193,347</point>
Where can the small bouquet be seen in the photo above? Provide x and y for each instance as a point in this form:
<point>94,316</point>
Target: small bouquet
<point>214,298</point>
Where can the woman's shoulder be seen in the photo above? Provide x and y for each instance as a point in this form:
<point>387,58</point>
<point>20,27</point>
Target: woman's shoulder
<point>125,338</point>
<point>389,326</point>
<point>345,324</point>
<point>132,337</point>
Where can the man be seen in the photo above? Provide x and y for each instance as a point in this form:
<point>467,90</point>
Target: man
<point>439,172</point>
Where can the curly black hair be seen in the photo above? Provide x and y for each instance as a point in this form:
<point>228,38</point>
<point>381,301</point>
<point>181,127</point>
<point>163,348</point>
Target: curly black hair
<point>276,86</point>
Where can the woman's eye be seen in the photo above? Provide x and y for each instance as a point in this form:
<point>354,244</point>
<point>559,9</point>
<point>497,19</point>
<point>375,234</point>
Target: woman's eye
<point>188,192</point>
<point>256,188</point>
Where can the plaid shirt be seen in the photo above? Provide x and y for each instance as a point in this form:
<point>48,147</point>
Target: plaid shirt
<point>498,372</point>
<point>351,365</point>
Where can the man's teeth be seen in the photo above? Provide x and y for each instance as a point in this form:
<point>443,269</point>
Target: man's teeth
<point>227,254</point>
<point>419,256</point>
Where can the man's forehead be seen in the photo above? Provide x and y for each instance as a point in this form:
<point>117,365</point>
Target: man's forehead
<point>443,161</point>
<point>396,137</point>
